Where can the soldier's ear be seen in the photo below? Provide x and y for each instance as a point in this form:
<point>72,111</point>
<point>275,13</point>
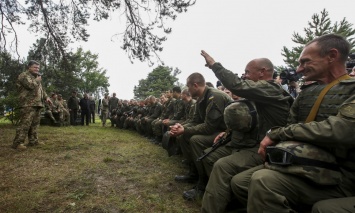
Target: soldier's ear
<point>333,54</point>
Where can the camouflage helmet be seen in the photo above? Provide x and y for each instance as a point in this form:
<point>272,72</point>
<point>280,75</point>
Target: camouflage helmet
<point>240,116</point>
<point>304,160</point>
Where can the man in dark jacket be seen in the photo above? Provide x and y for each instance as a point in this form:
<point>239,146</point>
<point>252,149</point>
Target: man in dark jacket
<point>92,109</point>
<point>85,109</point>
<point>73,106</point>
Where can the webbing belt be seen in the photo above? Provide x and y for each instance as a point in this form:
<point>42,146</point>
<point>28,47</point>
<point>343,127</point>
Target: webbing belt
<point>312,114</point>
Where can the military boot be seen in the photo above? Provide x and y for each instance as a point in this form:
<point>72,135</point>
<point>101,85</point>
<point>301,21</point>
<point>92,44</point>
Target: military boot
<point>19,147</point>
<point>36,144</point>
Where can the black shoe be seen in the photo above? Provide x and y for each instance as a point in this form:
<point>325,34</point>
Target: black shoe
<point>186,178</point>
<point>193,194</point>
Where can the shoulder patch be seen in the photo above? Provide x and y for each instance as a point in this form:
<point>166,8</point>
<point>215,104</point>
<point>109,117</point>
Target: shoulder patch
<point>348,81</point>
<point>348,110</point>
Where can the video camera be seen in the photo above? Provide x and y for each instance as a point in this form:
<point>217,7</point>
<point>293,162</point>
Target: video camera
<point>350,63</point>
<point>288,75</point>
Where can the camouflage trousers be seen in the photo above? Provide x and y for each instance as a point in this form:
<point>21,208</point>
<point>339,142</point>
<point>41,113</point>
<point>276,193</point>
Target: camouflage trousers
<point>265,190</point>
<point>29,121</point>
<point>104,115</point>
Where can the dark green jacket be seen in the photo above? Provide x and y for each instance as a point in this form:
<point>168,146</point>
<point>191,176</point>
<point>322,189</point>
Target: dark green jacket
<point>271,101</point>
<point>208,115</point>
<point>334,125</point>
<point>179,110</point>
<point>155,111</point>
<point>168,109</point>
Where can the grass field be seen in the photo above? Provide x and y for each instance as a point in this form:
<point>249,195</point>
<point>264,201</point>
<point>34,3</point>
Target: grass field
<point>89,169</point>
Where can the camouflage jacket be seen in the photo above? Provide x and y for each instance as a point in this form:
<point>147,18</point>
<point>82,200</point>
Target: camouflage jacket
<point>333,128</point>
<point>104,104</point>
<point>179,110</point>
<point>155,111</point>
<point>56,106</point>
<point>189,111</point>
<point>64,104</point>
<point>113,103</point>
<point>168,109</point>
<point>30,91</point>
<point>208,115</point>
<point>271,101</point>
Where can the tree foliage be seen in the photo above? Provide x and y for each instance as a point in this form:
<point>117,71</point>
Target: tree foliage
<point>159,80</point>
<point>62,22</point>
<point>320,25</point>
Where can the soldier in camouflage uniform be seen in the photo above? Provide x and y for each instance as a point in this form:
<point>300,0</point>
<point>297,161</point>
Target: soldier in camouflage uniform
<point>64,108</point>
<point>179,109</point>
<point>31,98</point>
<point>113,104</point>
<point>123,114</point>
<point>55,108</point>
<point>323,61</point>
<point>189,106</point>
<point>144,112</point>
<point>104,109</point>
<point>206,123</point>
<point>73,105</point>
<point>272,104</point>
<point>92,109</point>
<point>168,101</point>
<point>154,112</point>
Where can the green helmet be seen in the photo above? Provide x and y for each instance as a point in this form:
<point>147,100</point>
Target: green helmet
<point>240,116</point>
<point>304,160</point>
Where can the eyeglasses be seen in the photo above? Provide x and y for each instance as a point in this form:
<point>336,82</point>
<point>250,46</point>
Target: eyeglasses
<point>279,156</point>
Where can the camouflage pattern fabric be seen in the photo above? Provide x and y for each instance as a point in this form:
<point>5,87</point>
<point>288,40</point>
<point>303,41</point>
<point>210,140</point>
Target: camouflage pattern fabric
<point>318,175</point>
<point>28,124</point>
<point>32,98</point>
<point>104,110</point>
<point>237,116</point>
<point>30,90</point>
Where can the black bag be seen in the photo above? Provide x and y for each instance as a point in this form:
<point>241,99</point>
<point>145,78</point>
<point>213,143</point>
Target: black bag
<point>170,144</point>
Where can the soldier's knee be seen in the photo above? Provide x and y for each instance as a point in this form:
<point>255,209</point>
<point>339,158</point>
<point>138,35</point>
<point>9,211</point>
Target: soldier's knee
<point>237,184</point>
<point>264,176</point>
<point>194,139</point>
<point>317,207</point>
<point>218,164</point>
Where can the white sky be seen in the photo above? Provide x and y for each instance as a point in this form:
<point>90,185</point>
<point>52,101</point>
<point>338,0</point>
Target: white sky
<point>233,32</point>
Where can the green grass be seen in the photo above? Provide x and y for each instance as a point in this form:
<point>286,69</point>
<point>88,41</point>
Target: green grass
<point>89,169</point>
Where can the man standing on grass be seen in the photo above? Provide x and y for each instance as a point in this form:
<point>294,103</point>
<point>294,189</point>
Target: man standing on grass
<point>31,97</point>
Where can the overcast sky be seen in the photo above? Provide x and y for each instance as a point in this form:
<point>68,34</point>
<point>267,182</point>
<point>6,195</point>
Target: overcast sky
<point>232,32</point>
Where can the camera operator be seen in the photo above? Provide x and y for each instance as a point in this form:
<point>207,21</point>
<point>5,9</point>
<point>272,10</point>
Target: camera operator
<point>350,64</point>
<point>290,78</point>
<point>352,73</point>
